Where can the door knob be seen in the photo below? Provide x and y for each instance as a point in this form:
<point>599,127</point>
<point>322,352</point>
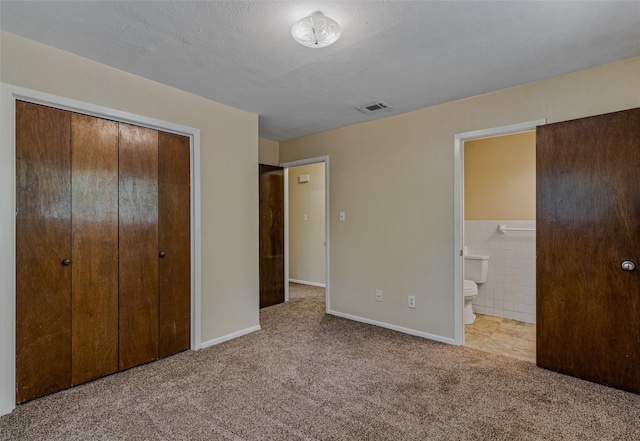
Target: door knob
<point>628,265</point>
<point>162,254</point>
<point>66,262</point>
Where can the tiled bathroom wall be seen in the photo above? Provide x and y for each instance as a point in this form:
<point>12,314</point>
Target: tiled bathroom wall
<point>510,289</point>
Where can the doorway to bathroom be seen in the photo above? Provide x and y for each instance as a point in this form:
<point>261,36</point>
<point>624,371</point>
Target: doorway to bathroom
<point>495,201</point>
<point>499,222</point>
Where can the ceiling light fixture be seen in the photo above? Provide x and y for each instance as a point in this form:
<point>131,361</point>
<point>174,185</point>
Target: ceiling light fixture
<point>316,30</point>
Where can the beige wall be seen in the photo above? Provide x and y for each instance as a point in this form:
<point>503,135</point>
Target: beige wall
<point>268,152</point>
<point>228,166</point>
<point>500,177</point>
<point>394,178</point>
<point>306,238</point>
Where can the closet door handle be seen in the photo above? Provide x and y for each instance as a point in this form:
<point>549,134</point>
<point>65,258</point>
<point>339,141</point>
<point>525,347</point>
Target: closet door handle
<point>628,265</point>
<point>66,262</point>
<point>162,254</point>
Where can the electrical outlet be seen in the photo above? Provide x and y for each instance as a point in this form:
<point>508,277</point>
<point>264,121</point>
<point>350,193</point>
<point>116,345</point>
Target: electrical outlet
<point>412,301</point>
<point>378,295</point>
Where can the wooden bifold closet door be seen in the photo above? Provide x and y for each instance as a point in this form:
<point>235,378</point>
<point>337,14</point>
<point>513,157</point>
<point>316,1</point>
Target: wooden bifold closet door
<point>102,247</point>
<point>174,269</point>
<point>43,245</point>
<point>94,248</point>
<point>138,245</point>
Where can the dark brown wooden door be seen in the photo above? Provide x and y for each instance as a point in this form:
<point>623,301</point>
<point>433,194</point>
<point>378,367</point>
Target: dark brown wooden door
<point>271,235</point>
<point>138,228</point>
<point>94,268</point>
<point>103,247</point>
<point>588,222</point>
<point>174,268</point>
<point>43,251</point>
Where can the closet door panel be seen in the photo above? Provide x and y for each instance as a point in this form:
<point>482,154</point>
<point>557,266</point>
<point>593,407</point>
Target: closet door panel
<point>43,251</point>
<point>174,243</point>
<point>138,188</point>
<point>94,148</point>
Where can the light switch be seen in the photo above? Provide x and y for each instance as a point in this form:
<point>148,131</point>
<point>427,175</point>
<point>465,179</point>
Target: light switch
<point>306,217</point>
<point>342,217</point>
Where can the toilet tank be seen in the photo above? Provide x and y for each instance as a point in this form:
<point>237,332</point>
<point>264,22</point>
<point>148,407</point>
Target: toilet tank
<point>476,268</point>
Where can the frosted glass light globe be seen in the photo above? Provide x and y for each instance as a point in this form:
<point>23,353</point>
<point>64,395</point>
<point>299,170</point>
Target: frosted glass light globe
<point>316,30</point>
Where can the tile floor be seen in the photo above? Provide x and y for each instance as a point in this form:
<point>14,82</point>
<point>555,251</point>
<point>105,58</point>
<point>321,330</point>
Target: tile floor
<point>502,336</point>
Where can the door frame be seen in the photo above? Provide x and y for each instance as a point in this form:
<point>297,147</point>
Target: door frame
<point>287,166</point>
<point>8,96</point>
<point>458,209</point>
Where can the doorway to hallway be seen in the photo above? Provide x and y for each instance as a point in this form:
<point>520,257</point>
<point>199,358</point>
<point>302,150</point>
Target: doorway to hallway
<point>307,224</point>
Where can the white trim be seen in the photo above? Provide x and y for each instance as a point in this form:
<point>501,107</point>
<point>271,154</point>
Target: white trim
<point>327,217</point>
<point>394,327</point>
<point>10,94</point>
<point>304,282</point>
<point>217,341</point>
<point>458,208</point>
<point>7,253</point>
<point>286,233</point>
<point>196,244</point>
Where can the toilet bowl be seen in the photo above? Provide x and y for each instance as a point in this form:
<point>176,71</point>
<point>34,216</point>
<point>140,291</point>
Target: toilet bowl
<point>476,269</point>
<point>470,293</point>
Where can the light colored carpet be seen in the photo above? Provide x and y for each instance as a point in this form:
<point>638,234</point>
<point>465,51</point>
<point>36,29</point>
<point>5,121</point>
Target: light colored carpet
<point>309,376</point>
<point>298,291</point>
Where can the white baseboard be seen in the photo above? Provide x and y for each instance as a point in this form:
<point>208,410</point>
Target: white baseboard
<point>304,282</point>
<point>439,338</point>
<point>7,408</point>
<point>217,341</point>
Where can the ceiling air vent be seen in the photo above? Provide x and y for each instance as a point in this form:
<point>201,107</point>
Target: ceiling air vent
<point>374,107</point>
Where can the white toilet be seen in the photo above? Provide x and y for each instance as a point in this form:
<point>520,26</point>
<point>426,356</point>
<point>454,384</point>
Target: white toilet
<point>476,269</point>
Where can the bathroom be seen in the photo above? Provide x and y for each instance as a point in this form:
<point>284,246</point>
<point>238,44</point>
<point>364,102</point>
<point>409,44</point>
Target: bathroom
<point>499,222</point>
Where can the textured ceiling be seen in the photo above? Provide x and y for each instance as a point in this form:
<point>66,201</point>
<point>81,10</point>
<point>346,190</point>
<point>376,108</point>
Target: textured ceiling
<point>409,54</point>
